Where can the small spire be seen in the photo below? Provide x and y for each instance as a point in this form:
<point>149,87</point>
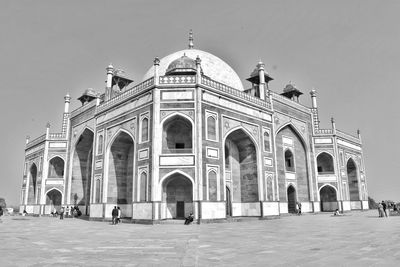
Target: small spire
<point>191,45</point>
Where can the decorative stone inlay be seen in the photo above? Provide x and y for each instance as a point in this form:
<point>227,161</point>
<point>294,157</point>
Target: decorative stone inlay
<point>231,123</point>
<point>166,113</point>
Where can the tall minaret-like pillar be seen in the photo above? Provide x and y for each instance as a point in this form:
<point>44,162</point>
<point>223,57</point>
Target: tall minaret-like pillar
<point>110,72</point>
<point>191,44</point>
<point>67,101</point>
<point>156,63</point>
<point>261,73</point>
<point>64,127</point>
<point>313,94</point>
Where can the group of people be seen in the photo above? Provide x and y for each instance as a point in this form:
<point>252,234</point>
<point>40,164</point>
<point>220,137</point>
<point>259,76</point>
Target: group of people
<point>116,215</point>
<point>72,212</point>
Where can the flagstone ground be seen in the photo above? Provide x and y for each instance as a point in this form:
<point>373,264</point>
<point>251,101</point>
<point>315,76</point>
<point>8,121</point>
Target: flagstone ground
<point>356,239</point>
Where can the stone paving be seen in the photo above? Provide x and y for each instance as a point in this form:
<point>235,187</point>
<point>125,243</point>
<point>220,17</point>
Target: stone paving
<point>356,239</point>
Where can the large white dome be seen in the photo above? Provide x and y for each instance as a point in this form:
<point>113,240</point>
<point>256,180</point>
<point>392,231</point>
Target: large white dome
<point>212,66</point>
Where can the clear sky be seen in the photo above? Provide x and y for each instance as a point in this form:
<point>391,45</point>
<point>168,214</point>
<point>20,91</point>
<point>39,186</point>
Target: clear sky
<point>347,50</point>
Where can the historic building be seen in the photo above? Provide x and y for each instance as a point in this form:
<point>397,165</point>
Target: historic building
<point>191,138</point>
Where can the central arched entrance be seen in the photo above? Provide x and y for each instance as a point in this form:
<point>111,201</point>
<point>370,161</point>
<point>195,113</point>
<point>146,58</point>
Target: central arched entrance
<point>177,195</point>
<point>32,184</point>
<point>353,180</point>
<point>241,166</point>
<point>291,197</point>
<point>82,171</point>
<point>120,169</point>
<point>53,200</point>
<point>328,198</point>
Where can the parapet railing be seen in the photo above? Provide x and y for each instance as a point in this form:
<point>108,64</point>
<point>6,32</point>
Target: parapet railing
<point>36,141</point>
<point>324,131</point>
<point>83,108</point>
<point>179,79</point>
<point>125,95</point>
<point>289,102</point>
<point>235,92</point>
<point>347,136</point>
<point>54,136</point>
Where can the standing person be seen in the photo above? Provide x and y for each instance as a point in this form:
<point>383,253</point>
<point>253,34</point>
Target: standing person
<point>67,209</point>
<point>119,215</point>
<point>384,208</point>
<point>298,208</point>
<point>380,209</point>
<point>1,213</point>
<point>114,215</point>
<point>62,213</point>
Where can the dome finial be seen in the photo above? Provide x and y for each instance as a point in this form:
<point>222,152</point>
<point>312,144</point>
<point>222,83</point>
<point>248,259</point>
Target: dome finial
<point>191,45</point>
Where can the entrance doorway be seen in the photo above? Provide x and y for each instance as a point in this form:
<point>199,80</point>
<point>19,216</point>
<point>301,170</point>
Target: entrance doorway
<point>177,197</point>
<point>228,202</point>
<point>180,209</point>
<point>291,195</point>
<point>328,198</point>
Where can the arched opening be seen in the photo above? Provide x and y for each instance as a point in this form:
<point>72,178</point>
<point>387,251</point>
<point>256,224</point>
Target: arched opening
<point>267,143</point>
<point>211,128</point>
<point>212,186</point>
<point>145,130</point>
<point>353,180</point>
<point>53,199</point>
<point>177,195</point>
<point>120,169</point>
<point>328,198</point>
<point>177,135</point>
<point>291,198</point>
<point>56,168</point>
<point>242,166</point>
<point>228,202</point>
<point>143,187</point>
<point>293,166</point>
<point>289,161</point>
<point>32,184</point>
<point>82,170</point>
<point>325,164</point>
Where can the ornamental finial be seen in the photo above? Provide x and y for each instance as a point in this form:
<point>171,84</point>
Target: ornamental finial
<point>191,45</point>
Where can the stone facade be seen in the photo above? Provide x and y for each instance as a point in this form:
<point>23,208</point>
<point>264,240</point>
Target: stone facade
<point>184,140</point>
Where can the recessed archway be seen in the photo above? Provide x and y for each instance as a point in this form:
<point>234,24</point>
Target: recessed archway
<point>328,198</point>
<point>325,164</point>
<point>177,195</point>
<point>32,184</point>
<point>241,164</point>
<point>56,168</point>
<point>177,135</point>
<point>82,170</point>
<point>353,180</point>
<point>120,169</point>
<point>54,198</point>
<point>291,198</point>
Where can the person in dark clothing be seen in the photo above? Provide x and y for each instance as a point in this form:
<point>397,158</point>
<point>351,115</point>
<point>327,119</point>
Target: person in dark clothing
<point>189,219</point>
<point>384,208</point>
<point>114,215</point>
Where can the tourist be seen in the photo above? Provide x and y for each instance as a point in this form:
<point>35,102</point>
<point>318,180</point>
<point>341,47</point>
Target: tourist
<point>119,215</point>
<point>114,215</point>
<point>24,213</point>
<point>337,213</point>
<point>67,210</point>
<point>380,210</point>
<point>189,219</point>
<point>62,213</point>
<point>1,213</point>
<point>298,208</point>
<point>384,208</point>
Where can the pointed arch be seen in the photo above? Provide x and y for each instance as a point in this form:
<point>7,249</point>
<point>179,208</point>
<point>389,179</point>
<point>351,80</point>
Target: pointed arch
<point>32,187</point>
<point>353,179</point>
<point>177,134</point>
<point>56,167</point>
<point>325,163</point>
<point>328,197</point>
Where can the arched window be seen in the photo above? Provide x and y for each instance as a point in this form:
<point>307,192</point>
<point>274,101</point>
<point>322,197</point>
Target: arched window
<point>325,163</point>
<point>211,128</point>
<point>289,160</point>
<point>177,135</point>
<point>267,142</point>
<point>143,187</point>
<point>56,168</point>
<point>212,186</point>
<point>145,130</point>
<point>100,144</point>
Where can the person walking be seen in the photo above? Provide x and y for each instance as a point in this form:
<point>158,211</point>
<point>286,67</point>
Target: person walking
<point>62,213</point>
<point>119,215</point>
<point>67,210</point>
<point>114,214</point>
<point>384,208</point>
<point>1,213</point>
<point>298,208</point>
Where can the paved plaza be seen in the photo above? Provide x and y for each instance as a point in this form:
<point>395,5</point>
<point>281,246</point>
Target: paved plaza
<point>356,239</point>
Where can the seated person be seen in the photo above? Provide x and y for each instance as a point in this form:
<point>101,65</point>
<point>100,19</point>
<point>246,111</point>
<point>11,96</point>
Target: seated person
<point>337,213</point>
<point>189,219</point>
